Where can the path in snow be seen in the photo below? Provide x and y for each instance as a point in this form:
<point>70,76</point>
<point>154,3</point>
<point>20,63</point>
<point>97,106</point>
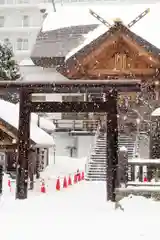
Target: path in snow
<point>79,212</point>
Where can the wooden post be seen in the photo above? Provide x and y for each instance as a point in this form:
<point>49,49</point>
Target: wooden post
<point>141,173</point>
<point>38,163</point>
<point>112,146</point>
<point>132,171</point>
<point>23,145</point>
<point>38,154</point>
<point>154,144</point>
<point>122,166</point>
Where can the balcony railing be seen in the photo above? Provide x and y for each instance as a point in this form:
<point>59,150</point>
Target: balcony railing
<point>8,3</point>
<point>85,125</point>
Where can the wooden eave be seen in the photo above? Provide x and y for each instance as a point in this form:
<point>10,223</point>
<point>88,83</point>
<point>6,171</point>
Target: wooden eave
<point>75,66</point>
<point>10,131</point>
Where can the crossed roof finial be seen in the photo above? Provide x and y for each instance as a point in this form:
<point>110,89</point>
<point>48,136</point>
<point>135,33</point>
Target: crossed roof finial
<point>133,22</point>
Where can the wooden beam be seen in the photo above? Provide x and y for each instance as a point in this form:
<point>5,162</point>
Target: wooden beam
<point>69,107</point>
<point>68,86</point>
<point>4,147</point>
<point>112,72</point>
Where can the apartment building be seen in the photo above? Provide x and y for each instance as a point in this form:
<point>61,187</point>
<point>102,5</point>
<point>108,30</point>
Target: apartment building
<point>20,21</point>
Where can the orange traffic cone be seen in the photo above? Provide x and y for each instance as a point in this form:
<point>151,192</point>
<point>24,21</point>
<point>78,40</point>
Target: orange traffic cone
<point>145,179</point>
<point>69,181</point>
<point>82,176</point>
<point>43,188</point>
<point>65,183</point>
<point>58,185</point>
<point>79,177</point>
<point>9,183</point>
<point>75,178</point>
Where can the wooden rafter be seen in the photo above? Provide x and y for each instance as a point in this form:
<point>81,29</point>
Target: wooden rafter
<point>92,56</point>
<point>142,52</point>
<point>8,132</point>
<point>102,58</point>
<point>111,42</point>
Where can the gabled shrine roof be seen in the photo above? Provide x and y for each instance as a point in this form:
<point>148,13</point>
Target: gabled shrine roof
<point>100,33</point>
<point>70,27</point>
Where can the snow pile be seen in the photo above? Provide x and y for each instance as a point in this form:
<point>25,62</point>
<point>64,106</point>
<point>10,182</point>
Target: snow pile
<point>80,212</point>
<point>63,166</point>
<point>10,114</point>
<point>156,112</point>
<point>26,62</point>
<point>139,203</point>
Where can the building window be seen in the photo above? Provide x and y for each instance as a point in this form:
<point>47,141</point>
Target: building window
<point>6,40</point>
<point>22,44</point>
<point>38,98</point>
<point>2,1</point>
<point>23,1</point>
<point>1,21</point>
<point>9,1</point>
<point>25,21</point>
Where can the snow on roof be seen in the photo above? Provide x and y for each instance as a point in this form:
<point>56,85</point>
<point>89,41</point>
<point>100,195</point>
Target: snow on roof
<point>123,148</point>
<point>147,27</point>
<point>26,62</point>
<point>73,15</point>
<point>44,123</point>
<point>9,112</point>
<point>156,112</point>
<point>88,39</point>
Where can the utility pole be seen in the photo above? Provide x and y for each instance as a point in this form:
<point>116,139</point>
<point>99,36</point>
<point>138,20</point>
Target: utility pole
<point>38,153</point>
<point>54,5</point>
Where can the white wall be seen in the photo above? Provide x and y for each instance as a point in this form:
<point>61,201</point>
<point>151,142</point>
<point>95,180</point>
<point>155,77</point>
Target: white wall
<point>83,143</point>
<point>62,140</point>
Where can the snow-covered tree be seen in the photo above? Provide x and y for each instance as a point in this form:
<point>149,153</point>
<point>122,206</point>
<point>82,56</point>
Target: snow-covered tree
<point>9,69</point>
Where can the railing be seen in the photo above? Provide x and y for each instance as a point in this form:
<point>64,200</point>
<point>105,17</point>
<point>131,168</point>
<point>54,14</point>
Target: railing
<point>92,146</point>
<point>86,125</point>
<point>136,147</point>
<point>147,168</point>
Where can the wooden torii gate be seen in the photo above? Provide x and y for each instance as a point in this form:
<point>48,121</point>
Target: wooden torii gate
<point>108,87</point>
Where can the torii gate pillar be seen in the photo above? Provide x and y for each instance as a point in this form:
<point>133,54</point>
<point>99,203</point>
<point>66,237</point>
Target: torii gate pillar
<point>23,145</point>
<point>112,147</point>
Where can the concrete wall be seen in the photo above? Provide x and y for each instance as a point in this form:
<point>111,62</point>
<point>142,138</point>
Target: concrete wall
<point>63,141</point>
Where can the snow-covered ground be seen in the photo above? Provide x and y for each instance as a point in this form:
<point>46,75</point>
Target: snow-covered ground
<point>78,212</point>
<point>63,167</point>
